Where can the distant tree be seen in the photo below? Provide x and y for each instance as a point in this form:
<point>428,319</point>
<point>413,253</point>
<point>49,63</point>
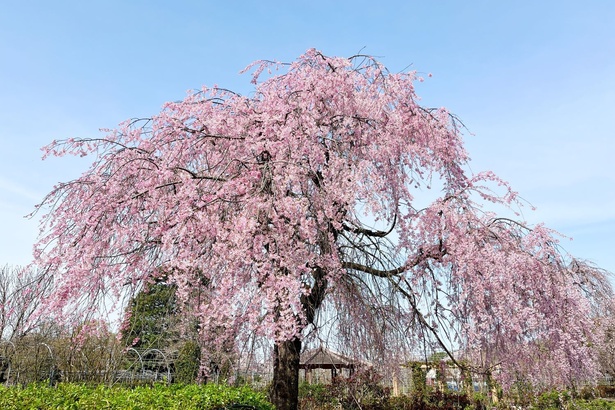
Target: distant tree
<point>87,352</point>
<point>437,357</point>
<point>607,348</point>
<point>302,202</point>
<point>151,320</point>
<point>22,290</point>
<point>605,318</point>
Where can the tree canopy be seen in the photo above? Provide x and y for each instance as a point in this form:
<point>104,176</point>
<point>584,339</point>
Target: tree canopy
<point>301,202</point>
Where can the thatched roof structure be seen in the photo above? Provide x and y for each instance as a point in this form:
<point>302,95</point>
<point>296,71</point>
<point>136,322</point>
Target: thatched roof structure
<point>323,358</point>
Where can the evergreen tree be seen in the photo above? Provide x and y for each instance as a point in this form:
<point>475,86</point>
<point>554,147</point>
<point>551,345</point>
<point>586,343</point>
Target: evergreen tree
<point>152,318</point>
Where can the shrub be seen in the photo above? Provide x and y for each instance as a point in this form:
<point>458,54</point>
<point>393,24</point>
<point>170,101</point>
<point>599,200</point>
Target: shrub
<point>80,396</point>
<point>605,391</point>
<point>552,400</point>
<point>364,392</point>
<point>316,396</point>
<point>188,363</point>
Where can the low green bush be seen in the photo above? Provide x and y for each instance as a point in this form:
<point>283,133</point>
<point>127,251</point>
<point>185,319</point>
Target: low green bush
<point>597,404</point>
<point>69,396</point>
<point>558,400</point>
<point>316,396</point>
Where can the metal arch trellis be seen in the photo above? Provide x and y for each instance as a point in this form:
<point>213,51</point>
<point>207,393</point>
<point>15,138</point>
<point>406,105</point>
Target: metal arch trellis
<point>164,358</point>
<point>145,364</point>
<point>142,367</point>
<point>29,361</point>
<point>52,367</point>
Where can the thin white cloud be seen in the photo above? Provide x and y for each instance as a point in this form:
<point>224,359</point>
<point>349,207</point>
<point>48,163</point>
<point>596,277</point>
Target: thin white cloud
<point>10,188</point>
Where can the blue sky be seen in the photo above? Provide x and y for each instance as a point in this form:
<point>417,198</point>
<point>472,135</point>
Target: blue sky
<point>533,81</point>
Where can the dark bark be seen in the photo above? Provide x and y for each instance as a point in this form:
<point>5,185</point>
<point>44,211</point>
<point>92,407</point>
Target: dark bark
<point>284,392</point>
<point>310,303</point>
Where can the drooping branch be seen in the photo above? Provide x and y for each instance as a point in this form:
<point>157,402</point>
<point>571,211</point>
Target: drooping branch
<point>410,297</point>
<point>376,272</point>
<point>369,232</point>
<point>435,252</point>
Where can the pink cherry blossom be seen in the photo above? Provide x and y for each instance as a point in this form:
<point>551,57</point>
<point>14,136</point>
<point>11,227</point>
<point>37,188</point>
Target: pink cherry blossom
<point>296,207</point>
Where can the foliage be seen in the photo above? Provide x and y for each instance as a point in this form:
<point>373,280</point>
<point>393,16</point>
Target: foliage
<point>437,357</point>
<point>363,390</point>
<point>188,362</point>
<point>329,397</point>
<point>447,400</point>
<point>355,394</point>
<point>597,404</point>
<point>419,379</point>
<point>317,396</point>
<point>313,194</point>
<point>150,318</point>
<point>529,398</point>
<point>552,400</point>
<point>79,396</point>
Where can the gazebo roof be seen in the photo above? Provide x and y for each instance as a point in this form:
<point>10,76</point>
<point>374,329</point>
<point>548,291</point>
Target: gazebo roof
<point>323,358</point>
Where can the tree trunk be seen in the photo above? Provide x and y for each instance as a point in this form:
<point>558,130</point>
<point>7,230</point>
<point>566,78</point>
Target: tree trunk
<point>284,392</point>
